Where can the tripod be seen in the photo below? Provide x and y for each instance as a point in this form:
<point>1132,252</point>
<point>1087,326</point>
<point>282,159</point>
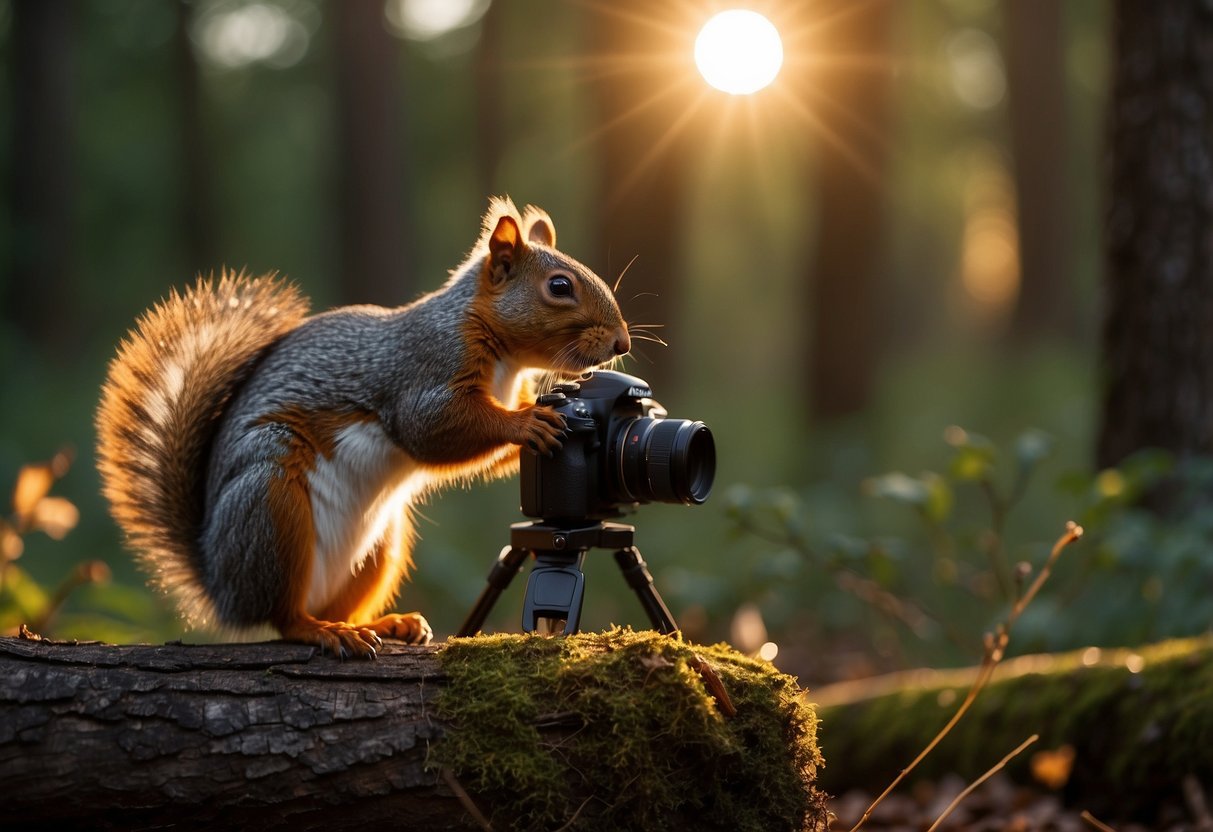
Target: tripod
<point>556,586</point>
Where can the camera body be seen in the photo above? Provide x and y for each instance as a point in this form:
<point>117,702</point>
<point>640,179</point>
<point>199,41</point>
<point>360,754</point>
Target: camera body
<point>619,450</point>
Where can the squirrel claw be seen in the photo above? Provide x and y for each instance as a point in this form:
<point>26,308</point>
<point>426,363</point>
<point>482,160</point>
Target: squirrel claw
<point>542,430</point>
<point>342,640</point>
<point>411,627</point>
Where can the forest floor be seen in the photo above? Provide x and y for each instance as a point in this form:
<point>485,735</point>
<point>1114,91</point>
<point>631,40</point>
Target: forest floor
<point>998,805</point>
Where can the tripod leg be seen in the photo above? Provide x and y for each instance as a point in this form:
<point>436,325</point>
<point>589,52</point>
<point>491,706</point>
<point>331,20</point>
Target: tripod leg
<point>509,562</point>
<point>637,575</point>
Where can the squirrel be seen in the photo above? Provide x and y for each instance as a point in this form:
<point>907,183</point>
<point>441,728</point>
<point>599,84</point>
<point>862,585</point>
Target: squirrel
<point>263,462</point>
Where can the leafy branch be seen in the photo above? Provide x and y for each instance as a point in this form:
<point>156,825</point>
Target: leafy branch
<point>34,509</point>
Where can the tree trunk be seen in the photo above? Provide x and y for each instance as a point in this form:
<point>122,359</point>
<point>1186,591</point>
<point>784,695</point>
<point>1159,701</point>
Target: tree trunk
<point>489,120</point>
<point>845,269</point>
<point>197,211</point>
<point>375,233</point>
<point>37,299</point>
<point>1158,329</point>
<point>270,736</point>
<point>1037,90</point>
<point>643,127</point>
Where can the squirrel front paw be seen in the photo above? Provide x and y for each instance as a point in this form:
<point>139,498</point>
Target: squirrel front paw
<point>542,430</point>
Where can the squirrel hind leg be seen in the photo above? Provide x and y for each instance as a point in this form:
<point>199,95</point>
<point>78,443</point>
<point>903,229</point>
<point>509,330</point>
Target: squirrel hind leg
<point>373,587</point>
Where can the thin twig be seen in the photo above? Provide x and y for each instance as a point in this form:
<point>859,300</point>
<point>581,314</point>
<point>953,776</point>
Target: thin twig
<point>996,645</point>
<point>466,799</point>
<point>983,676</point>
<point>1096,822</point>
<point>1198,806</point>
<point>584,803</point>
<point>983,778</point>
<point>998,527</point>
<point>1073,532</point>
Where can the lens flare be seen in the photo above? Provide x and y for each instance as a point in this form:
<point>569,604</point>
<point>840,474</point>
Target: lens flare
<point>739,52</point>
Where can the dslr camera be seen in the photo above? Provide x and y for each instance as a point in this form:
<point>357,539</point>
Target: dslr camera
<point>619,451</point>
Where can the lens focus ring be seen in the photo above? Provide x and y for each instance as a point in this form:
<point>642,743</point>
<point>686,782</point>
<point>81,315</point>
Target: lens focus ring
<point>666,461</point>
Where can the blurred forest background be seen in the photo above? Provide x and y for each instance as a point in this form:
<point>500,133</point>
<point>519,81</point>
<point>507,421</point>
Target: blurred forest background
<point>891,260</point>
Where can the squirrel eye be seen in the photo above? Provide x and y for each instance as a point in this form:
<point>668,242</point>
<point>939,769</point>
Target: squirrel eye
<point>560,285</point>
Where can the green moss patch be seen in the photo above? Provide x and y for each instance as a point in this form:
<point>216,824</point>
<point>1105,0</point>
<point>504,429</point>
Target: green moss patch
<point>1139,721</point>
<point>617,730</point>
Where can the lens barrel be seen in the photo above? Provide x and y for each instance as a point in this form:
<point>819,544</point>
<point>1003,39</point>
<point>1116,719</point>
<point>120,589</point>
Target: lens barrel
<point>665,461</point>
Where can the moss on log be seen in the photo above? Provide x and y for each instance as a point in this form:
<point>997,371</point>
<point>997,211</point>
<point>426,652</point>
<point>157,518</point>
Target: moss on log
<point>1139,721</point>
<point>622,731</point>
<point>615,730</point>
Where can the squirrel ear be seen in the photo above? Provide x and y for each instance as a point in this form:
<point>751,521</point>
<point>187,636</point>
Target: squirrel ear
<point>540,229</point>
<point>504,245</point>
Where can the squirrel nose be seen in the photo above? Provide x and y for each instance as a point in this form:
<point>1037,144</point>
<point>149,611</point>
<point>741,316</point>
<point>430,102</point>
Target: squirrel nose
<point>623,342</point>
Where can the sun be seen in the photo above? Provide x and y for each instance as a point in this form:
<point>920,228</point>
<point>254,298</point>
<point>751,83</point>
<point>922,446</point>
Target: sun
<point>739,52</point>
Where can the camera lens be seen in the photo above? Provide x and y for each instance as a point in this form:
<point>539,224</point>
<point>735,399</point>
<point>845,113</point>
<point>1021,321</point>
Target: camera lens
<point>665,461</point>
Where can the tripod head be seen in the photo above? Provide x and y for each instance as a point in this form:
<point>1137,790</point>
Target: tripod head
<point>556,587</point>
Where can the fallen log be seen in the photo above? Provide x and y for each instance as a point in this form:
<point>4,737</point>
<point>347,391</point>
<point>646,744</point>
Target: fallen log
<point>102,736</point>
<point>1121,730</point>
<point>607,731</point>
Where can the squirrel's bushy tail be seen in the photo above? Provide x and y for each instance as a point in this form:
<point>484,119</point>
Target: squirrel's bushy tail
<point>160,407</point>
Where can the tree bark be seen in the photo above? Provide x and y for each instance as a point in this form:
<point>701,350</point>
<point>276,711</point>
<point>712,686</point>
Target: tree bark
<point>1158,327</point>
<point>271,736</point>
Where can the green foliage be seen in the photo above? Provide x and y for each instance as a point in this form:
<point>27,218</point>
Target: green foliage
<point>938,583</point>
<point>619,730</point>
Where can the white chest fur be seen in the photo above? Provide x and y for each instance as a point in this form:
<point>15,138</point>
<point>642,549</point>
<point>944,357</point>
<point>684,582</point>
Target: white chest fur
<point>355,494</point>
<point>507,382</point>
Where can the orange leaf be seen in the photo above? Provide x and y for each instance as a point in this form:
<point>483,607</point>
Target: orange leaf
<point>55,516</point>
<point>11,544</point>
<point>33,483</point>
<point>1052,768</point>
